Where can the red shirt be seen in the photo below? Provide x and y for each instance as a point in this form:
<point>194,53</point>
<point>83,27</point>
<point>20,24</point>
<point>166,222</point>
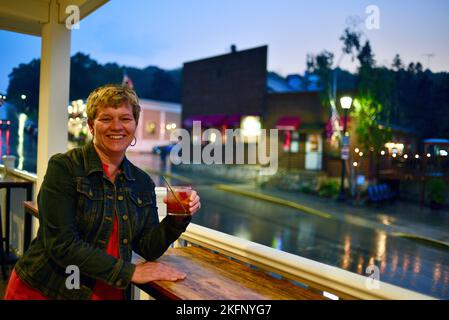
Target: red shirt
<point>19,290</point>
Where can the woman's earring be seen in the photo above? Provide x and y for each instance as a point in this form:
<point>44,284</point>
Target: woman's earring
<point>132,145</point>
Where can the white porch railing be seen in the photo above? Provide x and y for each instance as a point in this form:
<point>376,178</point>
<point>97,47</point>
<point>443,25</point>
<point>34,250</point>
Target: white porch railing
<point>17,220</point>
<point>319,276</point>
<point>22,174</point>
<point>326,278</point>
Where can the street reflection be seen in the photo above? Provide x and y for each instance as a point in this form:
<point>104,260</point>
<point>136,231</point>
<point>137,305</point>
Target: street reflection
<point>405,264</point>
<point>360,265</point>
<point>15,140</point>
<point>20,134</point>
<point>394,263</point>
<point>277,241</point>
<point>381,244</point>
<point>417,265</point>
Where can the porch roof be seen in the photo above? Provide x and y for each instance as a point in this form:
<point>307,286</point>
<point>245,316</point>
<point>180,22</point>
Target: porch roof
<point>28,16</point>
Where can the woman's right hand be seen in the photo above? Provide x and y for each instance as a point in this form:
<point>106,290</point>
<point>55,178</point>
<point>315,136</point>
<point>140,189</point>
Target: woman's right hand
<point>151,271</point>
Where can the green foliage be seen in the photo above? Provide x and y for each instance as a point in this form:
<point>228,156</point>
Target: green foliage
<point>329,189</point>
<point>437,191</point>
<point>369,133</point>
<point>306,189</point>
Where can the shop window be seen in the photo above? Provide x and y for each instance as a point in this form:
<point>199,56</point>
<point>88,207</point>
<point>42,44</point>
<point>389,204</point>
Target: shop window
<point>150,127</point>
<point>291,141</point>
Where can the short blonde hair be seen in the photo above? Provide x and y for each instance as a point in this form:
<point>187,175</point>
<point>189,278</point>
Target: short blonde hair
<point>112,95</point>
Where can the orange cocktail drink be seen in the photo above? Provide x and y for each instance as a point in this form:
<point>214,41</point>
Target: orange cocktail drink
<point>178,199</point>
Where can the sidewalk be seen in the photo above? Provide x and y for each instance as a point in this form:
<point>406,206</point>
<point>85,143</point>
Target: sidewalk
<point>398,219</point>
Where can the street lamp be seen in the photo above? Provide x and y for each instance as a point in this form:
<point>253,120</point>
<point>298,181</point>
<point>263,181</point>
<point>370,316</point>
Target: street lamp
<point>346,103</point>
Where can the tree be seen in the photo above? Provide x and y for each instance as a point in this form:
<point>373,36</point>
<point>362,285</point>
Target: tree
<point>366,56</point>
<point>418,67</point>
<point>351,42</point>
<point>372,129</point>
<point>24,80</point>
<point>397,64</point>
<point>372,103</point>
<point>321,65</point>
<point>87,74</point>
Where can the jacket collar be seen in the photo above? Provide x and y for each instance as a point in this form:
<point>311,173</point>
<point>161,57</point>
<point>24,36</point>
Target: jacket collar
<point>126,167</point>
<point>92,162</point>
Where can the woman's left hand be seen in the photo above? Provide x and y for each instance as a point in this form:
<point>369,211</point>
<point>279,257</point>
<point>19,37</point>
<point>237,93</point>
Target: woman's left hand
<point>194,204</point>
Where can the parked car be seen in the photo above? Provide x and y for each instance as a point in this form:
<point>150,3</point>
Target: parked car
<point>163,150</point>
<point>5,124</point>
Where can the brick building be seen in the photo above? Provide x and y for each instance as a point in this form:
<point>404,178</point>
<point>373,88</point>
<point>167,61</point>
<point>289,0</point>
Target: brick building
<point>230,84</point>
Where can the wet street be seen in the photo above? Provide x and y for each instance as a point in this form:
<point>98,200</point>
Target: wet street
<point>15,140</point>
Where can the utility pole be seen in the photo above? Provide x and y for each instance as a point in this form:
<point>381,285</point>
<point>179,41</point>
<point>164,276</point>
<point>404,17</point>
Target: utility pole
<point>429,56</point>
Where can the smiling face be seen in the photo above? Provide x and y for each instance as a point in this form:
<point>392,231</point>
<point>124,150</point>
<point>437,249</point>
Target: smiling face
<point>113,129</point>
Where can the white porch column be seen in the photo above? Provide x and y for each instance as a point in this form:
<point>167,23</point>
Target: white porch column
<point>53,91</point>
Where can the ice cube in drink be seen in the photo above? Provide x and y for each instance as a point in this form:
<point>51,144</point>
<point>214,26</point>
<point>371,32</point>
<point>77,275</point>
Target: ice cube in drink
<point>179,204</point>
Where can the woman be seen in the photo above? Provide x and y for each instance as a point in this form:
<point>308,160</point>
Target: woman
<point>95,208</point>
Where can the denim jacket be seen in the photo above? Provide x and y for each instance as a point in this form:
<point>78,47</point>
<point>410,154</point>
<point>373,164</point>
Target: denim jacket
<point>76,212</point>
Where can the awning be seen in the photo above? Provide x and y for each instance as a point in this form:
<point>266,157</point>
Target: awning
<point>436,141</point>
<point>215,120</point>
<point>288,123</point>
<point>233,120</point>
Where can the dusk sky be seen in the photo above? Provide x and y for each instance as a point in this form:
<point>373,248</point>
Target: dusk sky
<point>167,33</point>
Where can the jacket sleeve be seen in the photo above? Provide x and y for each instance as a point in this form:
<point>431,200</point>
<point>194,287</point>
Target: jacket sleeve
<point>156,236</point>
<point>57,208</point>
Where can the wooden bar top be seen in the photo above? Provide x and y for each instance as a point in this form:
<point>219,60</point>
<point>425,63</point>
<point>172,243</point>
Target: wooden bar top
<point>212,276</point>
